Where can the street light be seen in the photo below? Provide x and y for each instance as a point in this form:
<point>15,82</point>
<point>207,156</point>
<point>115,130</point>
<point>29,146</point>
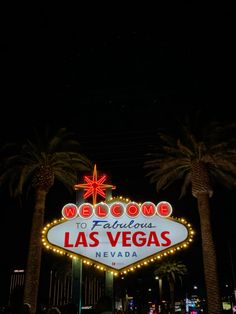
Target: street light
<point>160,288</point>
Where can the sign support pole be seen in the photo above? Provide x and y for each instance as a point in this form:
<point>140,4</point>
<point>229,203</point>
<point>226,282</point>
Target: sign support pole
<point>109,289</point>
<point>77,284</point>
<point>77,266</point>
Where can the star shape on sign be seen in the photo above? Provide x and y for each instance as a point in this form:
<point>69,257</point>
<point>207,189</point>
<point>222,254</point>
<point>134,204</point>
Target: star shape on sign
<point>94,186</point>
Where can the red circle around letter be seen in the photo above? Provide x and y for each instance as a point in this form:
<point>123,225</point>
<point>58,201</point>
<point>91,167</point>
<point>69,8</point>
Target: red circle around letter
<point>69,211</point>
<point>164,209</point>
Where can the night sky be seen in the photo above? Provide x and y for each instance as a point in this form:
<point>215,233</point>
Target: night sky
<point>116,80</point>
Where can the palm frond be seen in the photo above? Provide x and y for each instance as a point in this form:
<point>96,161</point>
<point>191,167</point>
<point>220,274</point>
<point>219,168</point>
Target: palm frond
<point>59,151</point>
<point>174,157</point>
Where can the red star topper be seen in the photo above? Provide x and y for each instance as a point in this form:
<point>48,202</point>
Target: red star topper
<point>94,186</point>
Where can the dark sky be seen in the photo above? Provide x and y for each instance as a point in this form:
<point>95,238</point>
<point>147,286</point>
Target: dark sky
<point>116,79</point>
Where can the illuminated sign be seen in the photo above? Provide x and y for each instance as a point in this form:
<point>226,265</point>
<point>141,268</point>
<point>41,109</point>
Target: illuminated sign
<point>94,186</point>
<point>117,235</point>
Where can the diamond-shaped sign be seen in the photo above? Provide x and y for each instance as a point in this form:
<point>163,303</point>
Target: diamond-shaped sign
<point>118,243</point>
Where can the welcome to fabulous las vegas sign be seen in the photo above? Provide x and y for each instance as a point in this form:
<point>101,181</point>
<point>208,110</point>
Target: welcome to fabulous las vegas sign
<point>116,235</point>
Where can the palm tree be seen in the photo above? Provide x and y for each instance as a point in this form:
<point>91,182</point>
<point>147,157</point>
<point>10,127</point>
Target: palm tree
<point>36,165</point>
<point>171,270</point>
<point>199,160</point>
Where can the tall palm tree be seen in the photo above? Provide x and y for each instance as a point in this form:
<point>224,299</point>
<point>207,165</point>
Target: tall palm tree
<point>198,159</point>
<point>171,270</point>
<point>35,165</point>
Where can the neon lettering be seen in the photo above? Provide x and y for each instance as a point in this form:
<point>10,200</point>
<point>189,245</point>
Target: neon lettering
<point>117,209</point>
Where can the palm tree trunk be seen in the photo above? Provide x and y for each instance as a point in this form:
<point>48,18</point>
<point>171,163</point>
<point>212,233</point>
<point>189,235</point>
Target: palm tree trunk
<point>35,252</point>
<point>209,256</point>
